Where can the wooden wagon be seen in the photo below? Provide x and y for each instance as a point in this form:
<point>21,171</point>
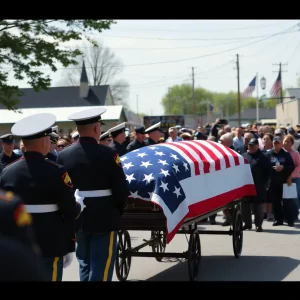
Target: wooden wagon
<point>141,215</point>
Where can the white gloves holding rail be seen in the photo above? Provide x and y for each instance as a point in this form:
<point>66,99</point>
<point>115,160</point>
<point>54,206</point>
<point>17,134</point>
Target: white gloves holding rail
<point>68,259</point>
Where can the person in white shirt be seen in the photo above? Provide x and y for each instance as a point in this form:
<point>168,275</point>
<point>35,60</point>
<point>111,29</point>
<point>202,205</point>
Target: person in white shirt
<point>173,135</point>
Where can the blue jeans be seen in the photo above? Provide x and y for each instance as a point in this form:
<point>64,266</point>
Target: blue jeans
<point>297,200</point>
<point>96,255</point>
<point>54,268</point>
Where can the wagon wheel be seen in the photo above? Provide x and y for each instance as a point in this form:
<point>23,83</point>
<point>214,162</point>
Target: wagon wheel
<point>123,261</point>
<point>194,255</point>
<point>237,235</point>
<point>158,246</point>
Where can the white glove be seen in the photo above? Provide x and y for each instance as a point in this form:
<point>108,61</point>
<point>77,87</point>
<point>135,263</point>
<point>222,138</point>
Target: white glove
<point>79,200</point>
<point>68,259</point>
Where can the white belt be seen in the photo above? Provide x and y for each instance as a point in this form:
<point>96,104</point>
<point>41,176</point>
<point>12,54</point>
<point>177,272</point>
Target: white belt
<point>80,195</point>
<point>45,208</point>
<point>94,193</point>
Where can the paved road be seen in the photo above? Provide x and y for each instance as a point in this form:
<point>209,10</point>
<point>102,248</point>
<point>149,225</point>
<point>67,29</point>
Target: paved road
<point>272,255</point>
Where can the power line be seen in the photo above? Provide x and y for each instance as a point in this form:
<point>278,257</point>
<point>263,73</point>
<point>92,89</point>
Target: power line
<point>184,59</point>
<point>154,48</point>
<point>238,84</point>
<point>187,39</point>
<point>180,30</point>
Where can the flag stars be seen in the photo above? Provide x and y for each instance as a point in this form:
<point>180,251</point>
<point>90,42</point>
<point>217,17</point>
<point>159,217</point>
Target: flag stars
<point>164,186</point>
<point>163,162</point>
<point>174,156</point>
<point>123,158</point>
<point>146,164</point>
<point>165,172</point>
<point>177,192</point>
<point>135,194</point>
<point>148,178</point>
<point>142,154</point>
<point>175,167</point>
<point>128,165</point>
<point>186,166</point>
<point>159,153</point>
<point>129,178</point>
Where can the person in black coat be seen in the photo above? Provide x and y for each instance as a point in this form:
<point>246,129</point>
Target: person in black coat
<point>8,156</point>
<point>52,154</point>
<point>138,142</point>
<point>17,242</point>
<point>47,192</point>
<point>282,167</point>
<point>119,137</point>
<point>101,189</point>
<point>260,168</point>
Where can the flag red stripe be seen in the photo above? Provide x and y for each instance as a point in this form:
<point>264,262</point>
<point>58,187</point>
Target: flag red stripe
<point>206,164</point>
<point>211,154</point>
<point>213,203</point>
<point>215,145</point>
<point>235,156</point>
<point>196,163</point>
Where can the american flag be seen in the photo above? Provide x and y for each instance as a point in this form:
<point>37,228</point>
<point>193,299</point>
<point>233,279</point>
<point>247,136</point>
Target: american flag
<point>250,88</point>
<point>275,90</point>
<point>187,179</point>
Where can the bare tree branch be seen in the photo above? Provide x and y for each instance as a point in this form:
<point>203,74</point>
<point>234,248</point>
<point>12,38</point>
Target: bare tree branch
<point>102,67</point>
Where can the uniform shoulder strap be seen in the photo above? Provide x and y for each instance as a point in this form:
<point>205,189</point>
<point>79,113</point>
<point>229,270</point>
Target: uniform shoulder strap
<point>52,162</point>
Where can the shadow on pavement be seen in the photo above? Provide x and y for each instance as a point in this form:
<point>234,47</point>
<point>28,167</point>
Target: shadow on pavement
<point>281,231</point>
<point>228,268</point>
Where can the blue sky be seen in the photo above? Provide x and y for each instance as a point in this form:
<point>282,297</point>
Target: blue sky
<point>133,42</point>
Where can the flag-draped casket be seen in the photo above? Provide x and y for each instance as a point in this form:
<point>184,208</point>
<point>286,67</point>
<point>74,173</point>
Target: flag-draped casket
<point>187,179</point>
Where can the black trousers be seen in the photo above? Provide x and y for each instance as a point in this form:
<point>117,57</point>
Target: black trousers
<point>281,207</point>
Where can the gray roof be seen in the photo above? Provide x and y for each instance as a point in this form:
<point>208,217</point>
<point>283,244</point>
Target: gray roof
<point>62,97</point>
<point>250,114</point>
<point>294,92</point>
<point>84,77</point>
<point>133,118</point>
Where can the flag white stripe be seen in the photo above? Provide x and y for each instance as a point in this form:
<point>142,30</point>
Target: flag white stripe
<point>191,163</point>
<point>207,156</point>
<point>217,153</point>
<point>195,156</point>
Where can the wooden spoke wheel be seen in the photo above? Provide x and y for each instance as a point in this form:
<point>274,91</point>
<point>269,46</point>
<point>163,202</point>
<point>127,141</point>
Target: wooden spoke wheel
<point>194,255</point>
<point>123,261</point>
<point>237,235</point>
<point>159,245</point>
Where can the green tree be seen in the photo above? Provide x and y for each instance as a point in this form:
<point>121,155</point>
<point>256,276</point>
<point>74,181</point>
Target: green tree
<point>179,100</point>
<point>27,44</point>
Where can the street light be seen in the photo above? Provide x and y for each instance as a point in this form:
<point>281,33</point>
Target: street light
<point>263,82</point>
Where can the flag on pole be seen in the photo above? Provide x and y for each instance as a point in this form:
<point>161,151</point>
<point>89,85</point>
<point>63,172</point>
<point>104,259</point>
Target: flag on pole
<point>250,88</point>
<point>275,90</point>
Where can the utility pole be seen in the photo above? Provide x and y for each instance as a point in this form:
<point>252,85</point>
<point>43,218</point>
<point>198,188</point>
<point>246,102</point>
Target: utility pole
<point>281,89</point>
<point>169,100</point>
<point>257,99</point>
<point>239,94</point>
<point>193,96</point>
<point>137,105</point>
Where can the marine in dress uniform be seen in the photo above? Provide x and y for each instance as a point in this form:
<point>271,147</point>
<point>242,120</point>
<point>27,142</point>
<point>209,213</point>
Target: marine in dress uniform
<point>46,189</point>
<point>15,221</point>
<point>105,138</point>
<point>8,156</point>
<point>17,242</point>
<point>102,191</point>
<point>139,140</point>
<point>52,154</point>
<point>119,137</point>
<point>154,133</point>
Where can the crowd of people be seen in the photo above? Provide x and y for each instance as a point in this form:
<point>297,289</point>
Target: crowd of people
<point>76,162</point>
